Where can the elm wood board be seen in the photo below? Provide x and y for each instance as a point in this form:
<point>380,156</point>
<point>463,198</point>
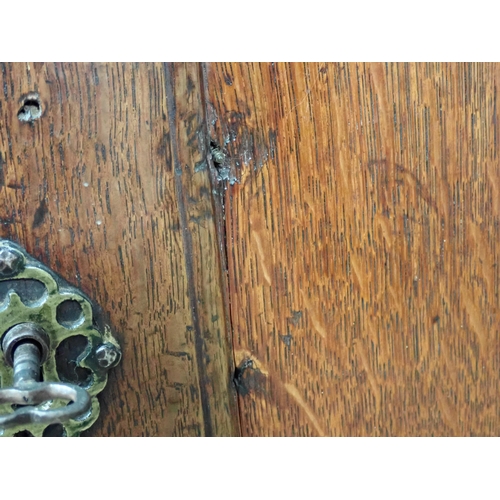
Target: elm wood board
<point>362,246</point>
<point>110,188</point>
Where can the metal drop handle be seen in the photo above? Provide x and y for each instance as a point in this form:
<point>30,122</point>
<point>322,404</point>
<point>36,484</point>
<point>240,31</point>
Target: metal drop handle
<point>25,347</point>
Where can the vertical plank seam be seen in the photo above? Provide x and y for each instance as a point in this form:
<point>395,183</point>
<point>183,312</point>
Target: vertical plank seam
<point>221,230</point>
<point>188,252</point>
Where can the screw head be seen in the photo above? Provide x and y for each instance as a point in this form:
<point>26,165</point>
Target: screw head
<point>11,262</point>
<point>108,355</point>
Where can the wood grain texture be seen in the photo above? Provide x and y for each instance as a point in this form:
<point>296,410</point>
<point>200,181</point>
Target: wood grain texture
<point>362,246</point>
<point>110,188</point>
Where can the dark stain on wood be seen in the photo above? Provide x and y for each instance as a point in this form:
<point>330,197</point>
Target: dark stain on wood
<point>2,173</point>
<point>295,318</point>
<point>40,214</point>
<point>287,339</point>
<point>248,378</point>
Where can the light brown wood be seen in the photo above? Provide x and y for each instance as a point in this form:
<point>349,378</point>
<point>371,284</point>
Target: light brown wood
<point>362,246</point>
<point>360,216</point>
<point>110,188</point>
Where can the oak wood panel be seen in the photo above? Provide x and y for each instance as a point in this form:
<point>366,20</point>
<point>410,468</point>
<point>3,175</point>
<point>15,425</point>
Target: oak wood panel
<point>110,189</point>
<point>362,246</point>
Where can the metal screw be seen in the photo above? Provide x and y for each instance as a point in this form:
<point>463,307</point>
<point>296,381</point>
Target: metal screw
<point>108,355</point>
<point>11,262</point>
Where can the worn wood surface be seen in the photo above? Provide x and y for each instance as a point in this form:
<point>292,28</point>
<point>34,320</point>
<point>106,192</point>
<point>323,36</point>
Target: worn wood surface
<point>110,188</point>
<point>362,246</point>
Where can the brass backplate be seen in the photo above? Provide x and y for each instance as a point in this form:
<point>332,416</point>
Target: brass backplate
<point>82,347</point>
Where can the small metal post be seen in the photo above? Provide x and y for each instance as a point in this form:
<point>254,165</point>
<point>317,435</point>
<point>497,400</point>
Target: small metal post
<point>27,361</point>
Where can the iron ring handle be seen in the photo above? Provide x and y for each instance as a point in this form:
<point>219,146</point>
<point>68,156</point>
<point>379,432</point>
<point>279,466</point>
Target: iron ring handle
<point>40,392</point>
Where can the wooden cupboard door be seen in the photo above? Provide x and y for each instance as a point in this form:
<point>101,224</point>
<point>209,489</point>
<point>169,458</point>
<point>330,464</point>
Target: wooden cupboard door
<point>282,249</point>
<point>362,225</point>
<point>110,187</point>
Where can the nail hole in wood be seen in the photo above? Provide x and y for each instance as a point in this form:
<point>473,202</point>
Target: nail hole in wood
<point>31,108</point>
